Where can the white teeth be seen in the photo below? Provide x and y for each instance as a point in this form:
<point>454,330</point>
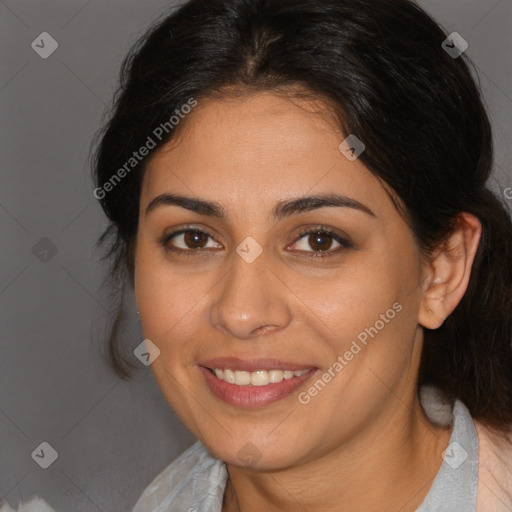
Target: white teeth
<point>276,376</point>
<point>257,378</point>
<point>229,376</point>
<point>242,378</point>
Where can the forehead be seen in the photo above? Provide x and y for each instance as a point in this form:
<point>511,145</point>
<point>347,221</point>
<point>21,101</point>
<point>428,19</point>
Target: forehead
<point>258,148</point>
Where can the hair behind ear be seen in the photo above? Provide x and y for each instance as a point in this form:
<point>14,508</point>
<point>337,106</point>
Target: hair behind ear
<point>470,355</point>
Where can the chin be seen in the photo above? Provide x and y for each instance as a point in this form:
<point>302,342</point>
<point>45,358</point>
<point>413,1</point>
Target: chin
<point>257,453</point>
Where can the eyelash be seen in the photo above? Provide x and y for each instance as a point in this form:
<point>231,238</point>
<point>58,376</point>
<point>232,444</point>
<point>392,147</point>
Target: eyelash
<point>345,244</point>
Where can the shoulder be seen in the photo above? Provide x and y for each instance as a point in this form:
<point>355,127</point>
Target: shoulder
<point>195,480</point>
<point>494,470</point>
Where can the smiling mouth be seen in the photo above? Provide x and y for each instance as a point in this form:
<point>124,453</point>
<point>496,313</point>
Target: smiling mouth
<point>256,378</point>
<point>252,387</point>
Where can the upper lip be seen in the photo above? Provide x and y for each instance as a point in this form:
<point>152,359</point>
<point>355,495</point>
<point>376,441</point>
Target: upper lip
<point>252,365</point>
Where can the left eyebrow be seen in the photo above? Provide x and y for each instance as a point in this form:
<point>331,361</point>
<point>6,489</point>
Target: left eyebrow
<point>309,203</point>
<point>280,211</point>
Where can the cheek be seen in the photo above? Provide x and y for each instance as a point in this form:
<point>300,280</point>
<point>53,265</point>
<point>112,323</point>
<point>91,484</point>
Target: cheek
<point>371,312</point>
<point>356,297</point>
<point>161,297</point>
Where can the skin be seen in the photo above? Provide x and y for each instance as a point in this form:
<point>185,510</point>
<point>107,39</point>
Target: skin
<point>363,442</point>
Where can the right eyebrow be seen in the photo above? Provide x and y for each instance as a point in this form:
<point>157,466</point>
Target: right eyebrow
<point>207,208</point>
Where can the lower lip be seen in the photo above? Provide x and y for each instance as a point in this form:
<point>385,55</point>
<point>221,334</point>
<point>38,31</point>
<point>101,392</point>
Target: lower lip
<point>253,396</point>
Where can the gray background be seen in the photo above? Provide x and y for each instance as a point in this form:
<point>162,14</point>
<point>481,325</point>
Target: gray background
<point>112,437</point>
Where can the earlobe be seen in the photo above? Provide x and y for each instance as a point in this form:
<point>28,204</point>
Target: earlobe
<point>449,272</point>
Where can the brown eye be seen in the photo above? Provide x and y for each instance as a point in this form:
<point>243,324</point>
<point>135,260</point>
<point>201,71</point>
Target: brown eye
<point>195,239</point>
<point>320,241</point>
<point>188,241</point>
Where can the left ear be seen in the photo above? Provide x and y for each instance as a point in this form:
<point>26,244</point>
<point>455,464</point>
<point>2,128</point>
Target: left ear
<point>449,272</point>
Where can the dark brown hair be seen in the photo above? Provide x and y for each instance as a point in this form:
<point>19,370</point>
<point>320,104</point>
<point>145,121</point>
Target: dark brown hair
<point>417,109</point>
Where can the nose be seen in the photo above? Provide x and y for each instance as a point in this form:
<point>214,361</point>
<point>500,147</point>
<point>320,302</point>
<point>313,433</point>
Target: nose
<point>251,301</point>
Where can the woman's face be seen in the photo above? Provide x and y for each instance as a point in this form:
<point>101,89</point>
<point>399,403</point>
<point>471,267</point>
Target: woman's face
<point>253,292</point>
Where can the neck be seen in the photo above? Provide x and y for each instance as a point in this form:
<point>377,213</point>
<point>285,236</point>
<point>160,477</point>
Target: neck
<point>389,466</point>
